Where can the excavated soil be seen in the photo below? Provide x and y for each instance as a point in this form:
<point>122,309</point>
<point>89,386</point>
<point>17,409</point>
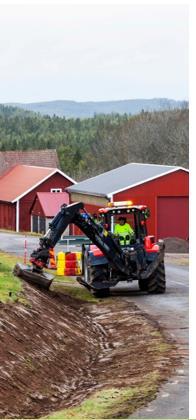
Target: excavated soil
<point>57,350</point>
<point>176,245</point>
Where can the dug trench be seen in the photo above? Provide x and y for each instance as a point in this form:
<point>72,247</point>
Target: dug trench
<point>56,351</point>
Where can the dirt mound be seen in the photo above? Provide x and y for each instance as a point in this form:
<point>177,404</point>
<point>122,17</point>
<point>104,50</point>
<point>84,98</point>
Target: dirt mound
<point>176,245</point>
<point>45,351</point>
<point>56,351</point>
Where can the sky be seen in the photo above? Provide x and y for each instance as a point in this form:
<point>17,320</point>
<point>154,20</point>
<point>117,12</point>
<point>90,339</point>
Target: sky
<point>93,52</point>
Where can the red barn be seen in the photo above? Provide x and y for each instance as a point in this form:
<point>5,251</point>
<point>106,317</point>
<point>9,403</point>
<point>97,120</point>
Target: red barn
<point>165,189</point>
<point>45,206</point>
<point>18,189</point>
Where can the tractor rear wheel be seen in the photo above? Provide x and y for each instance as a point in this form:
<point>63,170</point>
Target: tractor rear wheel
<point>99,274</point>
<point>157,282</point>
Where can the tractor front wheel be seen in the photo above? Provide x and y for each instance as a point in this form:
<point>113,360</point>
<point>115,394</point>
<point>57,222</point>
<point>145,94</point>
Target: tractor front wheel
<point>157,282</point>
<point>99,274</point>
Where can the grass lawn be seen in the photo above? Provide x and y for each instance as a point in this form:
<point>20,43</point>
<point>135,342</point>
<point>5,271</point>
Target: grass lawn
<point>11,289</point>
<point>76,291</point>
<point>62,279</point>
<point>20,233</point>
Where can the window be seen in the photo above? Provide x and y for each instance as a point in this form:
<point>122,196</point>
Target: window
<point>129,220</point>
<point>56,190</point>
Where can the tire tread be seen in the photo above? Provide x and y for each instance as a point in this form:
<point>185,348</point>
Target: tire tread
<point>157,282</point>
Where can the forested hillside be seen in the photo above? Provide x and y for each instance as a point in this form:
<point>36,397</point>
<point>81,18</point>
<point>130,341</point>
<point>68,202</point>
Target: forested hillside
<point>87,147</point>
<point>73,109</point>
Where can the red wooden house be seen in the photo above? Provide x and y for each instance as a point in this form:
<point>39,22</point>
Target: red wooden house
<point>165,189</point>
<point>18,189</point>
<point>45,206</point>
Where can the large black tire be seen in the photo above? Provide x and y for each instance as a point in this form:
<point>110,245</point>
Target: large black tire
<point>157,282</point>
<point>143,285</point>
<point>99,274</point>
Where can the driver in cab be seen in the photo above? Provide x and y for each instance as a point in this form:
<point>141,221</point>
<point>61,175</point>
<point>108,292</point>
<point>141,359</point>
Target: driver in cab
<point>124,231</point>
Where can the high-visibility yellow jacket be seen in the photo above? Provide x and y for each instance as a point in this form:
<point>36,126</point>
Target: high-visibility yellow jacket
<point>123,230</point>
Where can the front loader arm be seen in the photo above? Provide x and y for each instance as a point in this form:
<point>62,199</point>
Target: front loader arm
<point>104,241</point>
<point>40,256</point>
<point>96,233</point>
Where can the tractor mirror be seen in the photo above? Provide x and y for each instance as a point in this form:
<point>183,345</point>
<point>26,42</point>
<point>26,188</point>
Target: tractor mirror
<point>147,213</point>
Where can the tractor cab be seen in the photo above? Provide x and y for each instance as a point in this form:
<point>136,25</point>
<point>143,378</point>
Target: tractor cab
<point>134,216</point>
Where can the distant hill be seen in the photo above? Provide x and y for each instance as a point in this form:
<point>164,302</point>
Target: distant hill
<point>72,109</point>
<point>89,146</point>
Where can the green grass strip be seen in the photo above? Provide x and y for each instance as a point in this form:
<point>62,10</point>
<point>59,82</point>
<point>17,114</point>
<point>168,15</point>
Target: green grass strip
<point>76,291</point>
<point>11,289</point>
<point>113,402</point>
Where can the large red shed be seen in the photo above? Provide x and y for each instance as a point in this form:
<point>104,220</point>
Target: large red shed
<point>18,189</point>
<point>165,189</point>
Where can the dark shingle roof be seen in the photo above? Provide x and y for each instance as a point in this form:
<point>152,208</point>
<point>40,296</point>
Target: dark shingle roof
<point>44,158</point>
<point>121,178</point>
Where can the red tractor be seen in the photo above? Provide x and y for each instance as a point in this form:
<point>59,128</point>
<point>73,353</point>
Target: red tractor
<point>108,258</point>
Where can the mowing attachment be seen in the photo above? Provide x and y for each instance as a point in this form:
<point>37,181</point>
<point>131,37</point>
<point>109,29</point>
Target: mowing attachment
<point>38,278</point>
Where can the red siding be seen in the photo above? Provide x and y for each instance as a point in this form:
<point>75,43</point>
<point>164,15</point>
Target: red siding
<point>55,181</point>
<point>37,209</point>
<point>173,214</point>
<point>8,216</point>
<point>175,184</point>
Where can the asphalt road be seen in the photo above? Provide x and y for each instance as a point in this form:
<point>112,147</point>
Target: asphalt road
<point>171,312</point>
<point>14,244</point>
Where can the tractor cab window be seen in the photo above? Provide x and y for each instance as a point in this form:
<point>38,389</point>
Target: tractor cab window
<point>126,222</point>
<point>122,226</point>
<point>122,220</point>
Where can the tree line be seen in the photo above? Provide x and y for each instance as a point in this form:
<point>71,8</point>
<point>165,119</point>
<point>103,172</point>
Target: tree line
<point>87,147</point>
